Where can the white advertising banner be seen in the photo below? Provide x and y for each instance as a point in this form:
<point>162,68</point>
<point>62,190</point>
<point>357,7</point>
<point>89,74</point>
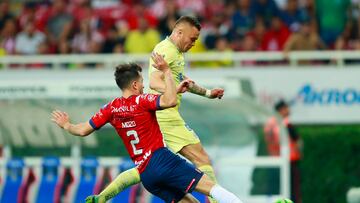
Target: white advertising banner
<point>316,95</point>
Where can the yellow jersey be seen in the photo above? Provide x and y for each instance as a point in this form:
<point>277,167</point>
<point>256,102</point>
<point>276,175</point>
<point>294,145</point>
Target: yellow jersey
<point>175,59</point>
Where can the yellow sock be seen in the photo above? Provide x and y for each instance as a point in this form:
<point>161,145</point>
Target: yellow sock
<point>122,181</point>
<point>209,171</point>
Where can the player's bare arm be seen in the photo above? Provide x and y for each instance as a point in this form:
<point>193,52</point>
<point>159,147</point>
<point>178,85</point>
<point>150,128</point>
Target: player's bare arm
<point>63,121</point>
<point>157,83</point>
<point>170,90</point>
<point>202,91</point>
<point>168,99</point>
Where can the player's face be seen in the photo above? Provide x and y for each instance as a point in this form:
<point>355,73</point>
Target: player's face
<point>188,37</point>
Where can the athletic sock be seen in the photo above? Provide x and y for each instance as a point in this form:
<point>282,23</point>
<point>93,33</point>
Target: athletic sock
<point>121,182</point>
<point>223,196</point>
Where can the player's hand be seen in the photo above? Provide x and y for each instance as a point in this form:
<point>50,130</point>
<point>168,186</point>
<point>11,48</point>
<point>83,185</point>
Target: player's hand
<point>184,86</point>
<point>217,93</point>
<point>60,118</point>
<point>159,62</point>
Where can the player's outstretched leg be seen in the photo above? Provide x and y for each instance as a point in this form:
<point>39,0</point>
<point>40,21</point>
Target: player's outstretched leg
<point>122,181</point>
<point>198,156</point>
<point>220,194</point>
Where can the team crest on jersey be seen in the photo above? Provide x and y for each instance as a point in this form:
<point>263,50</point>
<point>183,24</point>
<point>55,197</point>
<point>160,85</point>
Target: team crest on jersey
<point>150,97</point>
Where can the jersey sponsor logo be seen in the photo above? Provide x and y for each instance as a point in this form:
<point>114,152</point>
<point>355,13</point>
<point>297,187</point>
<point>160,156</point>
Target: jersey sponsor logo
<point>144,158</point>
<point>128,124</point>
<point>310,95</point>
<point>123,109</point>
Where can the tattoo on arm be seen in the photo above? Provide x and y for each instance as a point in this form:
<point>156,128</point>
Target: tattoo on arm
<point>196,89</point>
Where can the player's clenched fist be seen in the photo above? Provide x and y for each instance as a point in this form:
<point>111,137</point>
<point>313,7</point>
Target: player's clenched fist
<point>184,86</point>
<point>216,93</point>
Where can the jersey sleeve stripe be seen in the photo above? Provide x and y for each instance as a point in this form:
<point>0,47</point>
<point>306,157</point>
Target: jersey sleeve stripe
<point>158,103</point>
<point>91,122</point>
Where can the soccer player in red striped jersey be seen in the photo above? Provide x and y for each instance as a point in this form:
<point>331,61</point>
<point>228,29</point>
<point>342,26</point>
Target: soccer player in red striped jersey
<point>162,173</point>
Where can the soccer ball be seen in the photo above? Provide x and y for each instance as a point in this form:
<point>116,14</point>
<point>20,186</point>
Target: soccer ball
<point>282,200</point>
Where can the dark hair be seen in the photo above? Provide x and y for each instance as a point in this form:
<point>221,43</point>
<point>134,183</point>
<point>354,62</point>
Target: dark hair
<point>280,104</point>
<point>189,19</point>
<point>126,73</point>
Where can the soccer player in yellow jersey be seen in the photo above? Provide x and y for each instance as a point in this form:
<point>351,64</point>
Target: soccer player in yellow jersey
<point>178,136</point>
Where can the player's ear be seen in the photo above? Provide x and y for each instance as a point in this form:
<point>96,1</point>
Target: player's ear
<point>135,84</point>
<point>180,31</point>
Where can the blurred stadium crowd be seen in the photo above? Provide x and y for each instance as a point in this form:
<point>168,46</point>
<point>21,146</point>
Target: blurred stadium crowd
<point>136,26</point>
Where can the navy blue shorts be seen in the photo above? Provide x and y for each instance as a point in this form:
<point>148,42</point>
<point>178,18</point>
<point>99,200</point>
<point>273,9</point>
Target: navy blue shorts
<point>169,177</point>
